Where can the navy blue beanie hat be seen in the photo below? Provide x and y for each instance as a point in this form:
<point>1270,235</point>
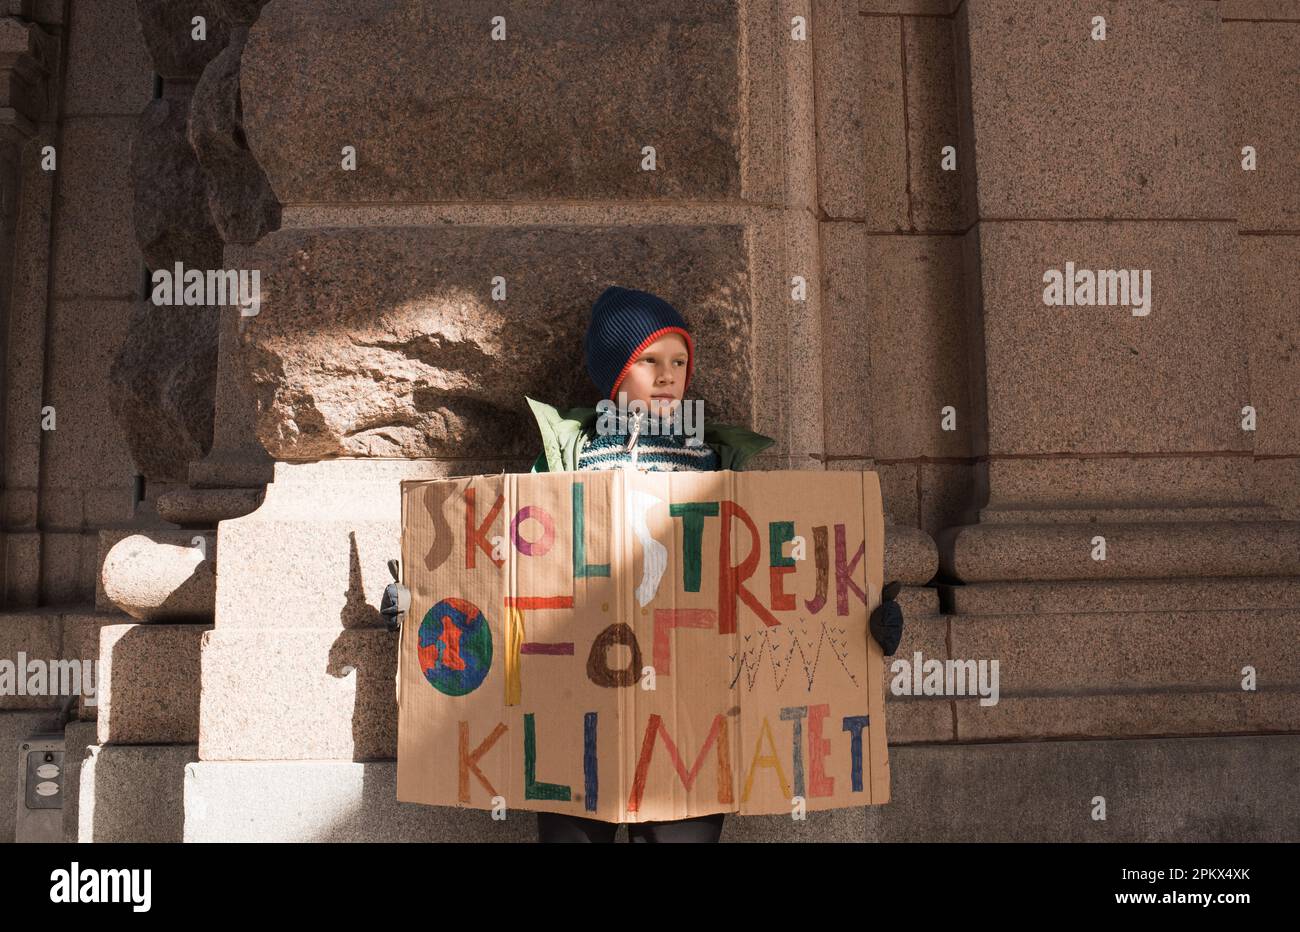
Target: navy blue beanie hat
<point>623,323</point>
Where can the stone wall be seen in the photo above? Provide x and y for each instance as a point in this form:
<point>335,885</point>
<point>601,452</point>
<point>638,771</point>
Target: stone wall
<point>855,220</point>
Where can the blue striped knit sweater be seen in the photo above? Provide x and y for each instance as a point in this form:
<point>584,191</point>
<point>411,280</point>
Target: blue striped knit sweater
<point>650,452</point>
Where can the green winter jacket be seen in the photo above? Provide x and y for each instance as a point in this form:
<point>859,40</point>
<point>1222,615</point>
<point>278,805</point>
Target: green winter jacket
<point>563,434</point>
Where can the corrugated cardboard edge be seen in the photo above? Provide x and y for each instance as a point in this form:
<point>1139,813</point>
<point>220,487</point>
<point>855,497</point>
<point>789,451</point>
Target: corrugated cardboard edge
<point>873,523</point>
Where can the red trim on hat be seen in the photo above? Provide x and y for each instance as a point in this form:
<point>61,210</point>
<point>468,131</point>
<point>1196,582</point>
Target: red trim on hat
<point>636,353</point>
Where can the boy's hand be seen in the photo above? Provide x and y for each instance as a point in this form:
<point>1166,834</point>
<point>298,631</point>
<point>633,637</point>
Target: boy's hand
<point>391,605</point>
<point>886,622</point>
<point>395,600</point>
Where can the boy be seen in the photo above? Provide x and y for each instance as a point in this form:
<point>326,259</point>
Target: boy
<point>639,345</point>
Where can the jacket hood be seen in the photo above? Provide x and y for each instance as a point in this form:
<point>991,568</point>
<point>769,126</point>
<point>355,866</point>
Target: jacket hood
<point>562,435</point>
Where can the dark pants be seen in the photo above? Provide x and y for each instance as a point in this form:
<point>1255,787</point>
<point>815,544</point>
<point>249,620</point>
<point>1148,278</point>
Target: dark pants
<point>557,827</point>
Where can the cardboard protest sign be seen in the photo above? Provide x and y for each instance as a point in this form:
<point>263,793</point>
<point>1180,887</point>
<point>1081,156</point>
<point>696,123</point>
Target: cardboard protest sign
<point>642,646</point>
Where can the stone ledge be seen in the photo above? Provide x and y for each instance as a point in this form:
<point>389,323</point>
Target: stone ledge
<point>78,738</point>
<point>320,801</point>
<point>133,793</point>
<point>1131,715</point>
<point>156,696</point>
<point>1122,595</point>
<point>1124,652</point>
<point>315,801</point>
<point>1035,552</point>
<point>916,601</point>
<point>910,555</point>
<point>1173,789</point>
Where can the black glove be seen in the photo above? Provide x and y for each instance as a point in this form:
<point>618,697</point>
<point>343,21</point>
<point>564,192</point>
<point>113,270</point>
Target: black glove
<point>390,602</point>
<point>388,607</point>
<point>886,621</point>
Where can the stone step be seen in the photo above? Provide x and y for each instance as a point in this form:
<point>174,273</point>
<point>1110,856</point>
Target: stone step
<point>1122,652</point>
<point>940,720</point>
<point>916,601</point>
<point>1098,674</point>
<point>133,793</point>
<point>1130,514</point>
<point>1217,789</point>
<point>78,737</point>
<point>150,684</point>
<point>918,721</point>
<point>910,554</point>
<point>1156,550</point>
<point>1122,595</point>
<point>316,801</point>
<point>1129,715</point>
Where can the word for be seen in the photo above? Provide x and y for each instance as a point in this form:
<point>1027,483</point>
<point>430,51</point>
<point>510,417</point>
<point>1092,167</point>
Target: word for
<point>103,886</point>
<point>48,678</point>
<point>808,770</point>
<point>1103,287</point>
<point>945,678</point>
<point>211,289</point>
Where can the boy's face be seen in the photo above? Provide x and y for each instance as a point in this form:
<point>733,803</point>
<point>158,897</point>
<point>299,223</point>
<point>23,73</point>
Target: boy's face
<point>658,377</point>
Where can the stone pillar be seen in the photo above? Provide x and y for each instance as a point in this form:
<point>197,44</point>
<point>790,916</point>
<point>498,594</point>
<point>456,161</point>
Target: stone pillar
<point>28,56</point>
<point>891,230</point>
<point>1262,51</point>
<point>243,208</point>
